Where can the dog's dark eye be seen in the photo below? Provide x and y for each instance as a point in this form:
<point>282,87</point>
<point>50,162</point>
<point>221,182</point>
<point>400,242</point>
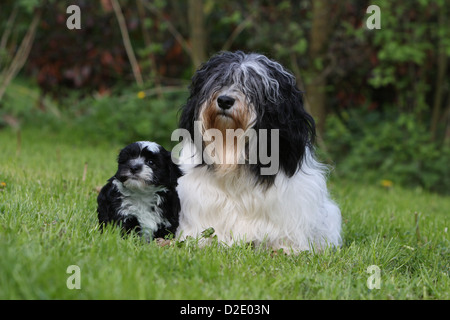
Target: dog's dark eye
<point>149,162</point>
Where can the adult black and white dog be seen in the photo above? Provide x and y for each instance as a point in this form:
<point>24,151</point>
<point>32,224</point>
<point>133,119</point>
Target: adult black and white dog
<point>142,194</point>
<point>245,107</point>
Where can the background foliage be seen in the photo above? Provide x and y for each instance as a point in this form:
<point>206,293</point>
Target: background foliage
<point>380,97</point>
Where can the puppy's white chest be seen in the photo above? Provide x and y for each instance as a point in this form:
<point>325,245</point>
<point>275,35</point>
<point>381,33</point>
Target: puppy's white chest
<point>144,206</point>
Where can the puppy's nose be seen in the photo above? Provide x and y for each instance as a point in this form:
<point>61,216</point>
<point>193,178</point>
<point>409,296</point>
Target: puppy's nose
<point>225,102</point>
<point>135,168</point>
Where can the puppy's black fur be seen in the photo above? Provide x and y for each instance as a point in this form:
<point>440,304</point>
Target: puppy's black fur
<point>142,195</point>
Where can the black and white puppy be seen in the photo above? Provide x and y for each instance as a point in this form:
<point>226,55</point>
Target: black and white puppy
<point>142,194</point>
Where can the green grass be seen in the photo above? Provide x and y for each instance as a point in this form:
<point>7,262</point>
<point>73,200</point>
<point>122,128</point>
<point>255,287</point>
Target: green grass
<point>48,222</point>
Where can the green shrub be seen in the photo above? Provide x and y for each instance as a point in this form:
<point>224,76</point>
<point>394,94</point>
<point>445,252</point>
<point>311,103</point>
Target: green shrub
<point>130,118</point>
<point>122,117</point>
<point>393,146</point>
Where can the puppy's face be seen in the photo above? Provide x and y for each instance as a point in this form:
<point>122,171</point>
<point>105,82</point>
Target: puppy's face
<point>142,164</point>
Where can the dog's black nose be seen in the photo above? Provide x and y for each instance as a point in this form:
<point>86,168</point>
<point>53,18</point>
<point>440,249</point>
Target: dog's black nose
<point>225,102</point>
<point>135,168</point>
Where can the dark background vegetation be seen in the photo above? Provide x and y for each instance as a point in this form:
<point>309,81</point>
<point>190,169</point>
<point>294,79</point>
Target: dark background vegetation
<point>380,97</point>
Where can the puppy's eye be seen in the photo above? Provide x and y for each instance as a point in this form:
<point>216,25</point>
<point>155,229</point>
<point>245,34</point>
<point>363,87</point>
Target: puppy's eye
<point>149,162</point>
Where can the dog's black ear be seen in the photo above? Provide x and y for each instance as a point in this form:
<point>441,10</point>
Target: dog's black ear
<point>298,134</point>
<point>296,126</point>
<point>173,169</point>
<point>189,112</point>
<point>188,116</point>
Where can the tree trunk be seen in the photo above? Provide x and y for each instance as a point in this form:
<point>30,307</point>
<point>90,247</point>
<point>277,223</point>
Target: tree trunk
<point>127,43</point>
<point>439,92</point>
<point>21,55</point>
<point>315,89</point>
<point>197,32</point>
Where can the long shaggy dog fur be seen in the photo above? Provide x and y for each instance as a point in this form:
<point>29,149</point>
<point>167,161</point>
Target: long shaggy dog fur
<point>290,208</point>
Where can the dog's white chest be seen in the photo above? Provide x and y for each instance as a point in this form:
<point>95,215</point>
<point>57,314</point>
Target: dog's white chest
<point>293,213</point>
<point>144,206</point>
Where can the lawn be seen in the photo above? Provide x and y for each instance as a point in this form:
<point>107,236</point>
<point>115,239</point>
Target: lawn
<point>48,223</point>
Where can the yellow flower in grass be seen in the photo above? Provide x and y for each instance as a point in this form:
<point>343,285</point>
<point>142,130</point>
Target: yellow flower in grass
<point>2,185</point>
<point>386,183</point>
<point>141,94</point>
